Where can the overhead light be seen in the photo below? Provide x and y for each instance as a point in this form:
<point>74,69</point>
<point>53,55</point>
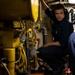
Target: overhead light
<point>72,1</point>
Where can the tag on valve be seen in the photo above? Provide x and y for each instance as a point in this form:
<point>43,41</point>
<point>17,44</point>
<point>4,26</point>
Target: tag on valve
<point>68,71</point>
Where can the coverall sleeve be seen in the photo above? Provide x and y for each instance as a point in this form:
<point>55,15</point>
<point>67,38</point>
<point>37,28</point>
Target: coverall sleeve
<point>49,13</point>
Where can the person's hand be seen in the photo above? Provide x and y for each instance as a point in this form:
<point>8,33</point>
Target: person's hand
<point>47,44</point>
<point>52,44</point>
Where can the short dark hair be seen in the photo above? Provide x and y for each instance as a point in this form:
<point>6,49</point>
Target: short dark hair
<point>59,6</point>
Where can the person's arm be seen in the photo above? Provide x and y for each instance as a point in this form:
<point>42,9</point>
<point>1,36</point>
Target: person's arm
<point>44,5</point>
<point>48,10</point>
<point>52,44</point>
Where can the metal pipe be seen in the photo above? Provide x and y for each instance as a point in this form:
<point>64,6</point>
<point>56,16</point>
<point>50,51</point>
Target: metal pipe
<point>44,32</point>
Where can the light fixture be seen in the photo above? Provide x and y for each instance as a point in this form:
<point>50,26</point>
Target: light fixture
<point>72,1</point>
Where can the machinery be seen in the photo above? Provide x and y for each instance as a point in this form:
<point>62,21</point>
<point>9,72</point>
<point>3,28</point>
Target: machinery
<point>18,10</point>
<point>16,18</point>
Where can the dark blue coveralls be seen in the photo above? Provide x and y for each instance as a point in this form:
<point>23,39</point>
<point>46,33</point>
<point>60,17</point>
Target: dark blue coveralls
<point>71,43</point>
<point>61,32</point>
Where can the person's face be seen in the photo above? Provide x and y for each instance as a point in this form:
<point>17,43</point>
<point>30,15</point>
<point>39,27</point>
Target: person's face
<point>59,14</point>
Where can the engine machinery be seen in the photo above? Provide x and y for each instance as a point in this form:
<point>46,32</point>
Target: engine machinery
<point>18,10</point>
<point>13,15</point>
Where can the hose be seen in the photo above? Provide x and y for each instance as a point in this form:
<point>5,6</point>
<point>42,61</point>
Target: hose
<point>22,61</point>
<point>5,68</point>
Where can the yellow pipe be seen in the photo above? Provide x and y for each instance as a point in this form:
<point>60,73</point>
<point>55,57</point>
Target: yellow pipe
<point>9,53</point>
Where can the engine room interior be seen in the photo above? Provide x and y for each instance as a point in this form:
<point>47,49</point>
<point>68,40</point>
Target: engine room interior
<point>24,27</point>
